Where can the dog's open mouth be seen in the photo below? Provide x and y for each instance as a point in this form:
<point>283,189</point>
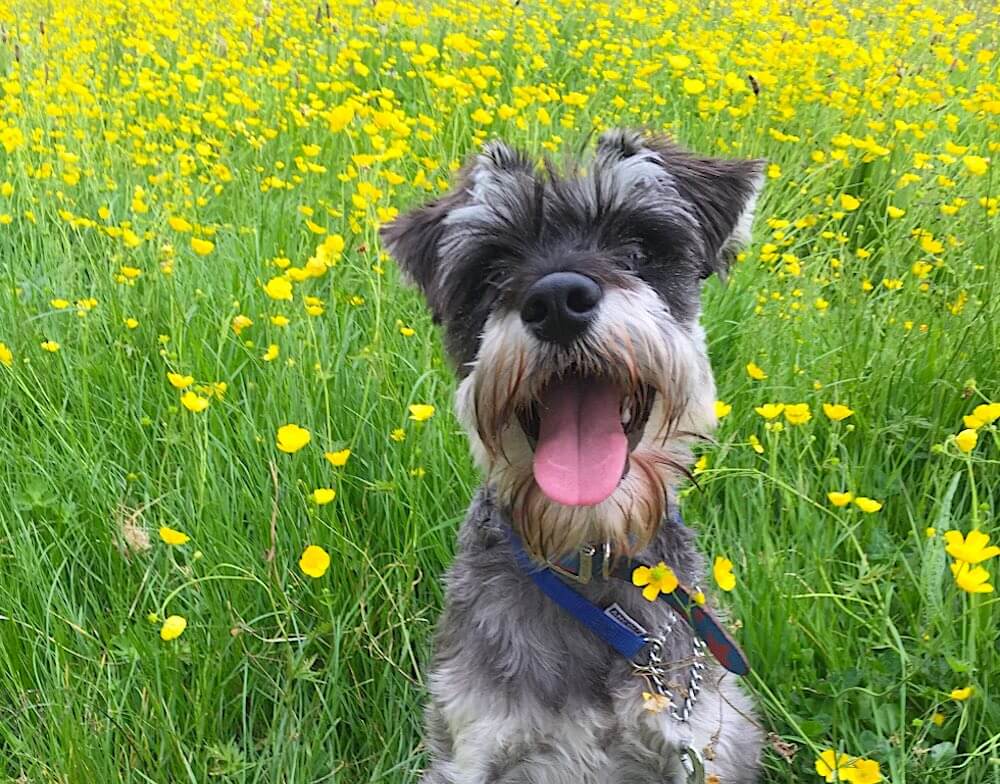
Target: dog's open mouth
<point>582,429</point>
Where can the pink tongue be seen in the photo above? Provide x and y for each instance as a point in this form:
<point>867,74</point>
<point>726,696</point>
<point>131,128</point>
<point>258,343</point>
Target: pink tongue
<point>581,448</point>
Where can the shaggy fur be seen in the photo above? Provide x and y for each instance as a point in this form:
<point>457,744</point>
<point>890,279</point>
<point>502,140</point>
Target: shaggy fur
<point>520,692</point>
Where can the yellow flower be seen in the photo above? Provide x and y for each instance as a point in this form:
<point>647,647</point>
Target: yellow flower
<point>831,764</point>
<point>755,444</point>
<point>178,381</point>
<point>722,571</point>
<point>407,332</point>
<point>840,499</point>
<point>972,548</point>
<point>51,346</point>
<point>194,403</point>
<point>987,413</point>
<point>323,495</point>
<point>173,627</point>
<point>722,409</point>
<point>966,440</point>
<point>314,561</point>
<point>974,164</point>
<point>694,86</point>
<point>655,703</point>
<point>172,536</point>
<point>962,694</point>
<point>930,532</point>
<point>202,247</point>
<point>6,356</point>
<point>179,224</point>
<point>867,505</point>
<point>278,288</point>
<point>59,304</point>
<point>279,320</point>
<point>131,323</point>
<point>657,579</point>
<point>862,771</point>
<point>937,719</point>
<point>797,413</point>
<point>272,353</point>
<point>836,411</point>
<point>240,323</point>
<point>755,372</point>
<point>291,438</point>
<point>337,459</point>
<point>421,412</point>
<point>894,212</point>
<point>398,434</point>
<point>849,203</point>
<point>770,410</point>
<point>971,579</point>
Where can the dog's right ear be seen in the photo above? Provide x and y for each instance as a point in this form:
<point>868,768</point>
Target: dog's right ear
<point>414,239</point>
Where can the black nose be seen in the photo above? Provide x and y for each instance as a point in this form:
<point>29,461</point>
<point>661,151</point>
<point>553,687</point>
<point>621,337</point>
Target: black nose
<point>559,307</point>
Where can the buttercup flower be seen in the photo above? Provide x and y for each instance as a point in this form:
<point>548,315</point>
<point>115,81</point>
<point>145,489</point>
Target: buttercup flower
<point>849,203</point>
<point>314,561</point>
<point>172,536</point>
<point>830,763</point>
<point>722,409</point>
<point>339,458</point>
<point>657,579</point>
<point>173,627</point>
<point>178,381</point>
<point>867,505</point>
<point>755,372</point>
<point>291,438</point>
<point>770,410</point>
<point>722,570</point>
<point>966,440</point>
<point>6,356</point>
<point>863,771</point>
<point>963,694</point>
<point>971,579</point>
<point>797,413</point>
<point>836,412</point>
<point>973,548</point>
<point>279,288</point>
<point>840,499</point>
<point>420,412</point>
<point>202,247</point>
<point>194,403</point>
<point>323,495</point>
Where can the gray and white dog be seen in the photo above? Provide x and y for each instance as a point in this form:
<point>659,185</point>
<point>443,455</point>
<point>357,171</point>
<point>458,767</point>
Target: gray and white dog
<point>569,302</point>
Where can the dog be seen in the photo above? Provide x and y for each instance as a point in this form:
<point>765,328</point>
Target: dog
<point>569,301</point>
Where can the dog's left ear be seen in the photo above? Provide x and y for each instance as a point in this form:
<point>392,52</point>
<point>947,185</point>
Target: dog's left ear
<point>414,239</point>
<point>722,192</point>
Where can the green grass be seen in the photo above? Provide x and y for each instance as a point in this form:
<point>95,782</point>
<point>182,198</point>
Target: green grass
<point>852,621</point>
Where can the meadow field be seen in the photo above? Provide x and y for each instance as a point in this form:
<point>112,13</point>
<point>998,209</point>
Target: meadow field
<point>190,196</point>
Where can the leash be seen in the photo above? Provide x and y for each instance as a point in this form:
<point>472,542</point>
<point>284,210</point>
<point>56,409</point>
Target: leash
<point>615,627</point>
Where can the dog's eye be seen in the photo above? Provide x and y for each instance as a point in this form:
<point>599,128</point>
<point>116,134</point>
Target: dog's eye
<point>634,259</point>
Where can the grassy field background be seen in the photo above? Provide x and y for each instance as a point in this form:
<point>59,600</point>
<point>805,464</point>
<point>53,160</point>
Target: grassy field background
<point>167,171</point>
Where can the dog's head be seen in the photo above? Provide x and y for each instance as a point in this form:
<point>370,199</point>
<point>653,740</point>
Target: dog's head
<point>569,304</point>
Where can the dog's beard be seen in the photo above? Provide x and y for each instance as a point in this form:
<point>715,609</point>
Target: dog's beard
<point>661,373</point>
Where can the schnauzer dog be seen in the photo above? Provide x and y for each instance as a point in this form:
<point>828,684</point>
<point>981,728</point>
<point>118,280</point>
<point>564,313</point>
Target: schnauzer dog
<point>569,302</point>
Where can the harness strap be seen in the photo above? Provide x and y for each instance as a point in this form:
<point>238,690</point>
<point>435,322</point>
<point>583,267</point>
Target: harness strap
<point>624,639</point>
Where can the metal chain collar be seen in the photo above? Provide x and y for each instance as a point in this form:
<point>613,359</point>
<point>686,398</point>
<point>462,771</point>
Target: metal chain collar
<point>656,672</point>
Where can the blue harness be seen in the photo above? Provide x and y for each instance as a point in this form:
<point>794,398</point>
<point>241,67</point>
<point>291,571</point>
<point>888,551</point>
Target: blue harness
<point>611,624</point>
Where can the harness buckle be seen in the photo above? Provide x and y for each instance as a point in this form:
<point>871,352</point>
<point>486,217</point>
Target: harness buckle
<point>584,569</point>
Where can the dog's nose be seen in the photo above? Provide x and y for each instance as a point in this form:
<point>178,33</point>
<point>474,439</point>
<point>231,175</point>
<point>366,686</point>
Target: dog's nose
<point>559,307</point>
